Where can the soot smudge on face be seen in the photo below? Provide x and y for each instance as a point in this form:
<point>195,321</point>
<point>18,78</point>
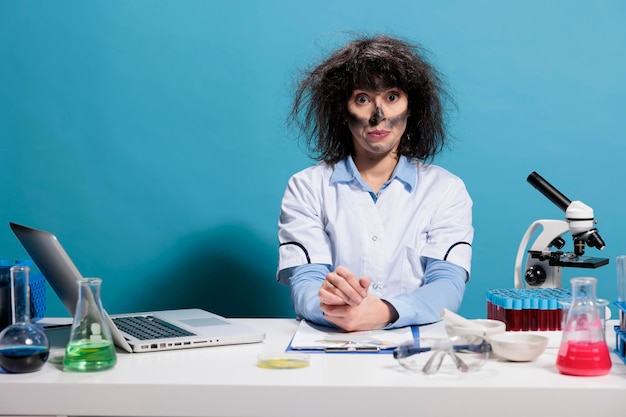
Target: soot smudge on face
<point>357,122</point>
<point>377,117</point>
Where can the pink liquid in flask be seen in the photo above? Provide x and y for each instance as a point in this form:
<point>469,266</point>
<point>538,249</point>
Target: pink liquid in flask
<point>583,358</point>
<point>583,350</point>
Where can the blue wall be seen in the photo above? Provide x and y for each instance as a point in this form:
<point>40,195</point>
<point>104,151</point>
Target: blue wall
<point>149,135</point>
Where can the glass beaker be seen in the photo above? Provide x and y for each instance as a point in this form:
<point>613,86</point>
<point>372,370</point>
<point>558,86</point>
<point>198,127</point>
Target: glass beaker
<point>603,310</point>
<point>91,346</point>
<point>583,350</point>
<point>621,279</point>
<point>24,347</point>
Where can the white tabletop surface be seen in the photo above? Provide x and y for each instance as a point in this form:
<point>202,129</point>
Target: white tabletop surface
<point>225,381</point>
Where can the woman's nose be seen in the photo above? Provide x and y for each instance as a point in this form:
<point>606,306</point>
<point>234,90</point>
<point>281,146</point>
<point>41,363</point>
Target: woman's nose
<point>377,117</point>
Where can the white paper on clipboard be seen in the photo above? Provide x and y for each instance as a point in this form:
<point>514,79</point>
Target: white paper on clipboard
<point>314,337</point>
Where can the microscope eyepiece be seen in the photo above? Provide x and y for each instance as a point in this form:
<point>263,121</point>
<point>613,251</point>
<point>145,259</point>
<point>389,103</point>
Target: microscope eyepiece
<point>549,191</point>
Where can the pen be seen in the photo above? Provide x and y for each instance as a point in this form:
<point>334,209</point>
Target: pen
<point>352,349</point>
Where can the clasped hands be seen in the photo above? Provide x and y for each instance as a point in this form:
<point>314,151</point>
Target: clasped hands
<point>347,303</point>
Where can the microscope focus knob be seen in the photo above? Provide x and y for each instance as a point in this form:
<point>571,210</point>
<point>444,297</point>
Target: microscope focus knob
<point>535,275</point>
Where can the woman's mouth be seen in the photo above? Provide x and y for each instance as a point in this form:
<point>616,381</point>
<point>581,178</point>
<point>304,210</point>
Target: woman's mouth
<point>378,134</point>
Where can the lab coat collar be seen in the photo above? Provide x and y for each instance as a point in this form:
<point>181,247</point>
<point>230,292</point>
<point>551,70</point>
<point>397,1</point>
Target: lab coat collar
<point>346,171</point>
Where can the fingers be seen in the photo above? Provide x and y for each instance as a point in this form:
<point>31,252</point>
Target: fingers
<point>365,283</point>
<point>373,313</point>
<point>327,297</point>
<point>344,284</point>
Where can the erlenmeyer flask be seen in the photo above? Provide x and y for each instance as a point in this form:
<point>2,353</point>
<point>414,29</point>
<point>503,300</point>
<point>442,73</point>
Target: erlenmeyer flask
<point>90,347</point>
<point>583,350</point>
<point>24,346</point>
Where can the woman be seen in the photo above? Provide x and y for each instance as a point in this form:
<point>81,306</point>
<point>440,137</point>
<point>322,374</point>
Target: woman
<point>374,236</point>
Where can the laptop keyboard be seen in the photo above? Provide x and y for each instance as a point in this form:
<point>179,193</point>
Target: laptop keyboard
<point>149,327</point>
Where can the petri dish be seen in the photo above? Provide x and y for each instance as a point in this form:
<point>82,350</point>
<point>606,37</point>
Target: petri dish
<point>283,360</point>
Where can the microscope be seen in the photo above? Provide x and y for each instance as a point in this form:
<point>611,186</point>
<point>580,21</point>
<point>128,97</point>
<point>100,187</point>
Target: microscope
<point>545,260</point>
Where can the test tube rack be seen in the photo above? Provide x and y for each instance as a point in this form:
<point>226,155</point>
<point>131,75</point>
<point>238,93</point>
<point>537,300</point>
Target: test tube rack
<point>527,309</point>
<point>620,331</point>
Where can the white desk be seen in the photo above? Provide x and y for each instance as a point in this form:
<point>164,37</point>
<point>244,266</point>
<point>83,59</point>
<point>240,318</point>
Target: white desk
<point>225,381</point>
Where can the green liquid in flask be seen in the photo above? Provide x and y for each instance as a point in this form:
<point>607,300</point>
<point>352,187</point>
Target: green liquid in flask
<point>88,356</point>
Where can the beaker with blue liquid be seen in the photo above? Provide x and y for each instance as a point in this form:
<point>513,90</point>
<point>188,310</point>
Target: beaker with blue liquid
<point>24,347</point>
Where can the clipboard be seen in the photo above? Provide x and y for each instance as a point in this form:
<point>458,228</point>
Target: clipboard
<point>313,338</point>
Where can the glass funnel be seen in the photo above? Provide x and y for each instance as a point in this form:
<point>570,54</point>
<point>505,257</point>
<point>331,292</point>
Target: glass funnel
<point>24,346</point>
<point>90,347</point>
<point>583,350</point>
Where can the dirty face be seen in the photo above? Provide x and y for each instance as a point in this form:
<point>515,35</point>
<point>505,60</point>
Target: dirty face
<point>377,120</point>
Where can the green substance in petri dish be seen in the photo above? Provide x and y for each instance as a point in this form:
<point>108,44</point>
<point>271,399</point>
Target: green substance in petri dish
<point>282,363</point>
<point>89,356</point>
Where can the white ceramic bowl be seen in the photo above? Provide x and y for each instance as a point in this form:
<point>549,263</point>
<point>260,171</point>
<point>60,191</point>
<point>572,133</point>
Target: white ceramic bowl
<point>487,328</point>
<point>518,346</point>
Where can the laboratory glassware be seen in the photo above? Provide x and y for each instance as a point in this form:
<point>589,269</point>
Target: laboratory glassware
<point>24,346</point>
<point>90,347</point>
<point>5,294</point>
<point>621,278</point>
<point>583,350</point>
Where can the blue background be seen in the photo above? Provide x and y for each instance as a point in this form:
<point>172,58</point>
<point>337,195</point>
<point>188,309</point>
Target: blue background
<point>149,136</point>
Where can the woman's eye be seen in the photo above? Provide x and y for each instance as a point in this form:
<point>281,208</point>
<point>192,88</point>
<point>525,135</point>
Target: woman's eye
<point>393,96</point>
<point>361,99</point>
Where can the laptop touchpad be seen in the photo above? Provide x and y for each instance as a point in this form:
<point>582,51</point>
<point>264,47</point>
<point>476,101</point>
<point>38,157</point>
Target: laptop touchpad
<point>205,322</point>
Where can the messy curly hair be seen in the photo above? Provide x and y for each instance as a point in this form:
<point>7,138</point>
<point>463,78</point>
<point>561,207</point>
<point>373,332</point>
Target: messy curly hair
<point>320,105</point>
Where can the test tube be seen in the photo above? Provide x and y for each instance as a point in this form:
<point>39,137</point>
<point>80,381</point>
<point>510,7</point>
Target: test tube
<point>544,310</point>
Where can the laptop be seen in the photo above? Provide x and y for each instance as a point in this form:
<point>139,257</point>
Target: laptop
<point>136,332</point>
